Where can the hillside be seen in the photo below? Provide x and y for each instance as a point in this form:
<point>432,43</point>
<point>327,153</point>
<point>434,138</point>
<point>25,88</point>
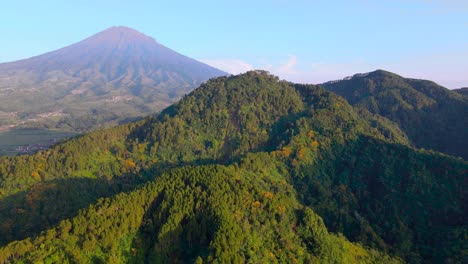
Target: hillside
<point>255,164</point>
<point>114,76</point>
<point>463,90</point>
<point>432,116</point>
<point>215,214</point>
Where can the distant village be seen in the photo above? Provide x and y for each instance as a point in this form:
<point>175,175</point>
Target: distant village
<point>32,148</point>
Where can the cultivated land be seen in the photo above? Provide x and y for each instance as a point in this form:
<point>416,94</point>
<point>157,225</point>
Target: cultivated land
<point>21,141</point>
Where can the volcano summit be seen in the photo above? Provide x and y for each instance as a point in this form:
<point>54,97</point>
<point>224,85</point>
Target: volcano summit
<point>116,75</point>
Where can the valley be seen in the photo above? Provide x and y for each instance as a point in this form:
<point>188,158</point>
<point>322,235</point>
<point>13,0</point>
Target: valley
<point>27,141</point>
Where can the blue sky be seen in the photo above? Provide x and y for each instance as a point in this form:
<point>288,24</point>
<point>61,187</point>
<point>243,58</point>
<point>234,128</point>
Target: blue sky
<point>302,41</point>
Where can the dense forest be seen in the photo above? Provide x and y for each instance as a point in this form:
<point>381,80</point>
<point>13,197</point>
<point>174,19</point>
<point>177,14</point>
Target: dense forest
<point>463,90</point>
<point>195,214</point>
<point>246,168</point>
<point>432,116</point>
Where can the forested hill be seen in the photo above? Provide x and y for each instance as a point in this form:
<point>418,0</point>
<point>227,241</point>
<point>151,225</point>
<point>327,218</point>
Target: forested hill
<point>463,91</point>
<point>212,214</point>
<point>242,169</point>
<point>432,116</point>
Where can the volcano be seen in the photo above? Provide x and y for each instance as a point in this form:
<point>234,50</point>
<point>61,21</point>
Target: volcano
<point>112,76</point>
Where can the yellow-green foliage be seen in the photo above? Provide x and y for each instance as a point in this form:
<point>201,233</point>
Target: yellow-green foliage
<point>216,214</point>
<point>292,148</point>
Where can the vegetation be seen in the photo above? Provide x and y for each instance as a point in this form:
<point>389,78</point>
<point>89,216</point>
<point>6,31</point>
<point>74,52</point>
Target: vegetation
<point>242,169</point>
<point>432,116</point>
<point>212,213</point>
<point>463,90</point>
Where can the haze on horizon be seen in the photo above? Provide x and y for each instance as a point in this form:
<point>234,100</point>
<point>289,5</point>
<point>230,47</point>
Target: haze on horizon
<point>298,40</point>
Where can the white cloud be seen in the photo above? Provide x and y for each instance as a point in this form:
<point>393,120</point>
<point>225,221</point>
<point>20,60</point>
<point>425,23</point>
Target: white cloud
<point>327,71</point>
<point>288,70</point>
<point>233,66</point>
<point>291,70</point>
<point>448,70</point>
<point>289,67</point>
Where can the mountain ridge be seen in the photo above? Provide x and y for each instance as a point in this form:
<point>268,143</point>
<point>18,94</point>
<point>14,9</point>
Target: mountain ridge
<point>432,116</point>
<point>463,90</point>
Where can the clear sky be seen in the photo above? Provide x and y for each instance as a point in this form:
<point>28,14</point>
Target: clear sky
<point>303,41</point>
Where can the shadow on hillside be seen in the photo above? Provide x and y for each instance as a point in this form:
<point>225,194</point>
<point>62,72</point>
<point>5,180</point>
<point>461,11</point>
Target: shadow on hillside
<point>42,206</point>
<point>389,196</point>
<point>27,213</point>
<point>183,243</point>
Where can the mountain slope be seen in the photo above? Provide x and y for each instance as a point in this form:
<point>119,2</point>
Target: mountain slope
<point>212,213</point>
<point>281,139</point>
<point>432,116</point>
<point>114,75</point>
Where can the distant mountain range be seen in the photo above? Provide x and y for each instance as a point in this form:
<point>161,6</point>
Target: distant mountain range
<point>433,117</point>
<point>116,75</point>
